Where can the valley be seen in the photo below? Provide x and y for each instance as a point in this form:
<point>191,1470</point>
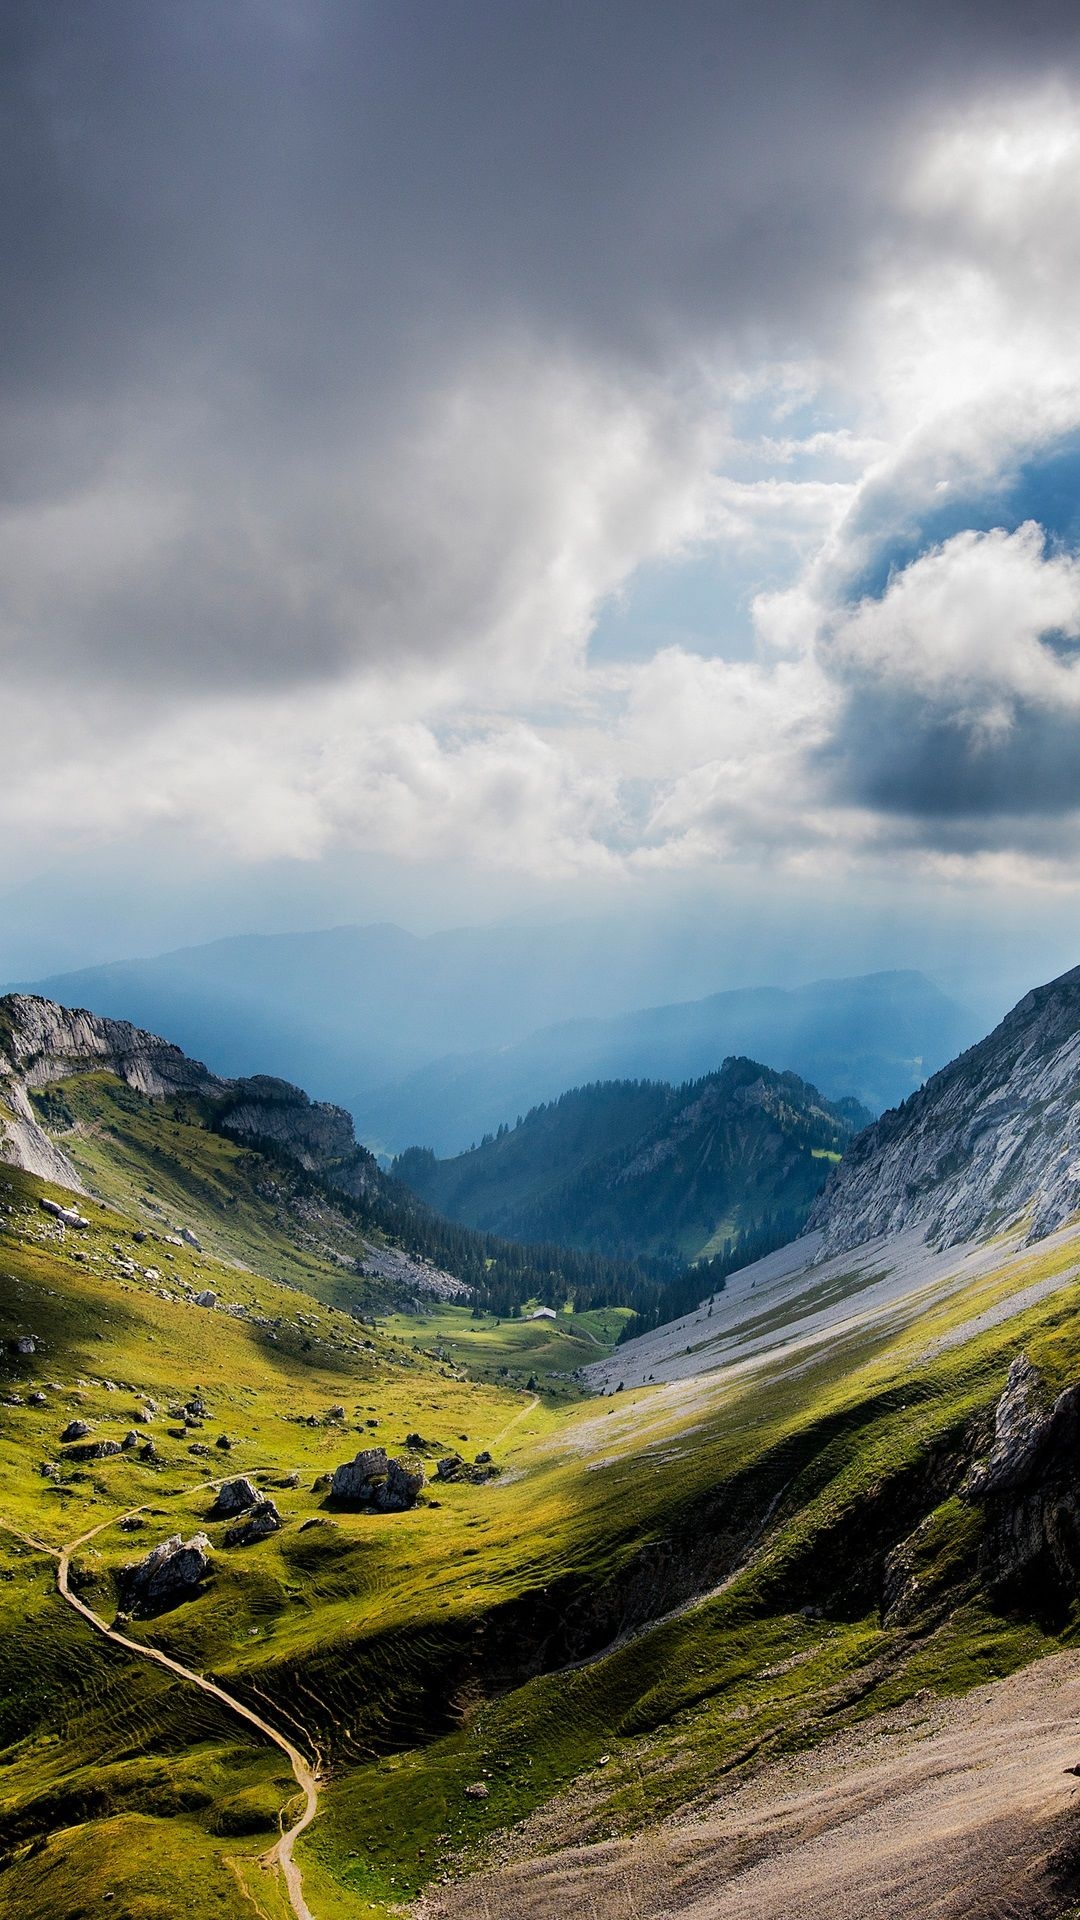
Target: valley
<point>726,1584</point>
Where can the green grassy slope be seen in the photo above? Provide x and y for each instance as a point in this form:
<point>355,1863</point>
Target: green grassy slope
<point>658,1586</point>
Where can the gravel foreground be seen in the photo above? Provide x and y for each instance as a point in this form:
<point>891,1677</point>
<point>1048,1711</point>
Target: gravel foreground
<point>961,1810</point>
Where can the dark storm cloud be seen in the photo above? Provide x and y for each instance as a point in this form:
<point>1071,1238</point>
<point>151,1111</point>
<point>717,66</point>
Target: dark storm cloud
<point>899,754</point>
<point>251,250</point>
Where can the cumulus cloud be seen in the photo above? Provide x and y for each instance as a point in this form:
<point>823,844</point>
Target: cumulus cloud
<point>359,355</point>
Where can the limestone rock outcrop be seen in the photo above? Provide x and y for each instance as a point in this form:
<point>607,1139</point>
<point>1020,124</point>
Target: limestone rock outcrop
<point>234,1496</point>
<point>373,1480</point>
<point>42,1042</point>
<point>1029,1489</point>
<point>170,1573</point>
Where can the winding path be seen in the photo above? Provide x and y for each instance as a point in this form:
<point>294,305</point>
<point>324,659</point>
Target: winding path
<point>280,1855</point>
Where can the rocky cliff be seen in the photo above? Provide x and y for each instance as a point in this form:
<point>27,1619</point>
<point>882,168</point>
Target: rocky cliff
<point>991,1141</point>
<point>41,1043</point>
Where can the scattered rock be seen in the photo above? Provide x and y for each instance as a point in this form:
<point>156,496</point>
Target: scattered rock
<point>37,1399</point>
<point>190,1239</point>
<point>26,1344</point>
<point>131,1523</point>
<point>477,1791</point>
<point>148,1451</point>
<point>319,1485</point>
<point>207,1298</point>
<point>170,1573</point>
<point>49,1470</point>
<point>75,1430</point>
<point>453,1468</point>
<point>129,1440</point>
<point>335,1413</point>
<point>416,1442</point>
<point>144,1415</point>
<point>224,1443</point>
<point>372,1480</point>
<point>199,1447</point>
<point>262,1520</point>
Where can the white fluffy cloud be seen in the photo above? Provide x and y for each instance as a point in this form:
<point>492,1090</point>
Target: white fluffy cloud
<point>421,584</point>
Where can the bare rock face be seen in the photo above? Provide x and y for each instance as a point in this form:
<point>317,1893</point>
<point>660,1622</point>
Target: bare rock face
<point>991,1141</point>
<point>373,1480</point>
<point>169,1574</point>
<point>235,1496</point>
<point>259,1523</point>
<point>1029,1490</point>
<point>1021,1424</point>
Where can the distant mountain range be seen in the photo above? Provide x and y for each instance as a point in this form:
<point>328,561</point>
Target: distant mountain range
<point>627,1168</point>
<point>438,1040</point>
<point>873,1038</point>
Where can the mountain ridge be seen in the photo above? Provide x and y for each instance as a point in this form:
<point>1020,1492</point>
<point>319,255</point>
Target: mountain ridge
<point>438,1038</point>
<point>648,1167</point>
<point>900,1020</point>
<point>990,1141</point>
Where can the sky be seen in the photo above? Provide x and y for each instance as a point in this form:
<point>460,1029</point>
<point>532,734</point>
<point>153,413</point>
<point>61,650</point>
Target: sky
<point>462,459</point>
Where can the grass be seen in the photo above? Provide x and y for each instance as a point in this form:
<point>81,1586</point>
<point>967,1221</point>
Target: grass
<point>622,1613</point>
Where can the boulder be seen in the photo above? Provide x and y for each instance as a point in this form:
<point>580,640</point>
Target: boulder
<point>259,1523</point>
<point>207,1298</point>
<point>94,1450</point>
<point>372,1480</point>
<point>37,1399</point>
<point>76,1430</point>
<point>190,1239</point>
<point>148,1451</point>
<point>129,1440</point>
<point>170,1573</point>
<point>26,1344</point>
<point>234,1496</point>
<point>224,1443</point>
